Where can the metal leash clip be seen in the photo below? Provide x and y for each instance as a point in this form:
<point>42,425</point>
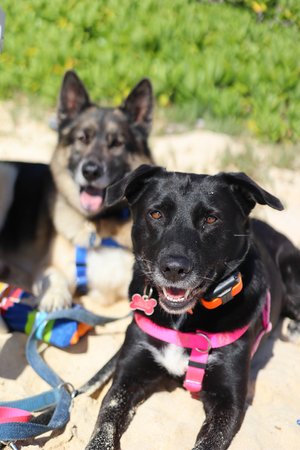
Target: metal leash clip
<point>10,444</point>
<point>71,390</point>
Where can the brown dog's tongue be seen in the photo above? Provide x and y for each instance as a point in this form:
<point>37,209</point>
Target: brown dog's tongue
<point>91,203</point>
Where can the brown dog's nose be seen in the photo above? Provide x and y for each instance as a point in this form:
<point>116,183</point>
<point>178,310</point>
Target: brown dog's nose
<point>91,170</point>
<point>175,268</point>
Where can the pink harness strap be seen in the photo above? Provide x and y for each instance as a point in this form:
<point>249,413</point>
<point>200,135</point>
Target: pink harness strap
<point>8,415</point>
<point>201,343</point>
<point>266,324</point>
<point>200,339</point>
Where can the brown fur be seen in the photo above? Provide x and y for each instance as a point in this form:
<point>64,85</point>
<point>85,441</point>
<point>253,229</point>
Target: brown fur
<point>96,147</point>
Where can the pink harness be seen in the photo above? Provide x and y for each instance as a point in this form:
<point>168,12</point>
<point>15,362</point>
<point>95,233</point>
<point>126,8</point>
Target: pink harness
<point>8,415</point>
<point>201,343</point>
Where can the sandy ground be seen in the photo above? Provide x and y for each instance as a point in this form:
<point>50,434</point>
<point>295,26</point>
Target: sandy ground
<point>167,420</point>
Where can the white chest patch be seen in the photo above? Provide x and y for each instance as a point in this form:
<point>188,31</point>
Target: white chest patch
<point>173,358</point>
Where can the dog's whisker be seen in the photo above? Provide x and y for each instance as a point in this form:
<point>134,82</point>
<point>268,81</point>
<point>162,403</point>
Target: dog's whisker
<point>148,270</point>
<point>144,263</point>
<point>206,278</point>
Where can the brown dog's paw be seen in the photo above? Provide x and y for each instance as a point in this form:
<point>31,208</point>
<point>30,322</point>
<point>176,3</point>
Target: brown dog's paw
<point>52,291</point>
<point>55,299</point>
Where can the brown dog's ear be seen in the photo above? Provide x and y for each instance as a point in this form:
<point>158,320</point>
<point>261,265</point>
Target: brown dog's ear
<point>139,105</point>
<point>73,98</point>
<point>250,192</point>
<point>131,185</point>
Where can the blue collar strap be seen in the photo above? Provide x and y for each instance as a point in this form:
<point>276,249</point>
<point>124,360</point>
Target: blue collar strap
<point>110,242</point>
<point>124,214</point>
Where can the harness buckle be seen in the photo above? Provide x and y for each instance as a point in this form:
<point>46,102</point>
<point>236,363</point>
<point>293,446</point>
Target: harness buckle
<point>71,391</point>
<point>93,240</point>
<point>10,444</point>
<point>209,346</point>
<point>69,387</point>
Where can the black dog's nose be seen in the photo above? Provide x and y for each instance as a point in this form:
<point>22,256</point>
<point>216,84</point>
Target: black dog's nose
<point>175,268</point>
<point>91,170</point>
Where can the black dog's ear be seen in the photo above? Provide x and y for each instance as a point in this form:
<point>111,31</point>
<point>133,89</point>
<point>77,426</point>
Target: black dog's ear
<point>139,105</point>
<point>130,186</point>
<point>250,192</point>
<point>73,98</point>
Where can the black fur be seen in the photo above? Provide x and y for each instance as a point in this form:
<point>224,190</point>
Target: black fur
<point>190,232</point>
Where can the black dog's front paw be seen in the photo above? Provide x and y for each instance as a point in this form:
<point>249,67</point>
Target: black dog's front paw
<point>291,330</point>
<point>104,439</point>
<point>101,445</point>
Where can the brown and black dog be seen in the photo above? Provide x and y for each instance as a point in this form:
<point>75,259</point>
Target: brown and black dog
<point>47,210</point>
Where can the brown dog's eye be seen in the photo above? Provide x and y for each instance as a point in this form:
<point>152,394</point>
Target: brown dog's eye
<point>210,219</point>
<point>114,141</point>
<point>155,215</point>
<point>82,137</point>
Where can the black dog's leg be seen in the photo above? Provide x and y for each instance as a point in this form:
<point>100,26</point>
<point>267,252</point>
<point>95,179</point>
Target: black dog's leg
<point>289,262</point>
<point>135,381</point>
<point>224,401</point>
<point>221,424</point>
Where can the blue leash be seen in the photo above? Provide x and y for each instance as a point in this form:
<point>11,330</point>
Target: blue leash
<point>62,394</point>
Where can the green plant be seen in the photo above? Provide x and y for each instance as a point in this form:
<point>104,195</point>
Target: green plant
<point>256,160</point>
<point>208,60</point>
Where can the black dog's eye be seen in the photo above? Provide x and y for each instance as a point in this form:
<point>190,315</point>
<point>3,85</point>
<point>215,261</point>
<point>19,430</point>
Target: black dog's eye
<point>155,215</point>
<point>210,219</point>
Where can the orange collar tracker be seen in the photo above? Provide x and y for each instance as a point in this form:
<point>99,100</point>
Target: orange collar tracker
<point>224,292</point>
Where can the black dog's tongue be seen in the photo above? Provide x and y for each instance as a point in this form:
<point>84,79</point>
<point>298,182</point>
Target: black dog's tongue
<point>174,293</point>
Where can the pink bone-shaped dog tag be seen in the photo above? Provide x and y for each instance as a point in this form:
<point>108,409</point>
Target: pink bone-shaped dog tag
<point>143,303</point>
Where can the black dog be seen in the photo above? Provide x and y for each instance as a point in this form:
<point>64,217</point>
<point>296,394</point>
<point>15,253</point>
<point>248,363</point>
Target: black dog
<point>211,269</point>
